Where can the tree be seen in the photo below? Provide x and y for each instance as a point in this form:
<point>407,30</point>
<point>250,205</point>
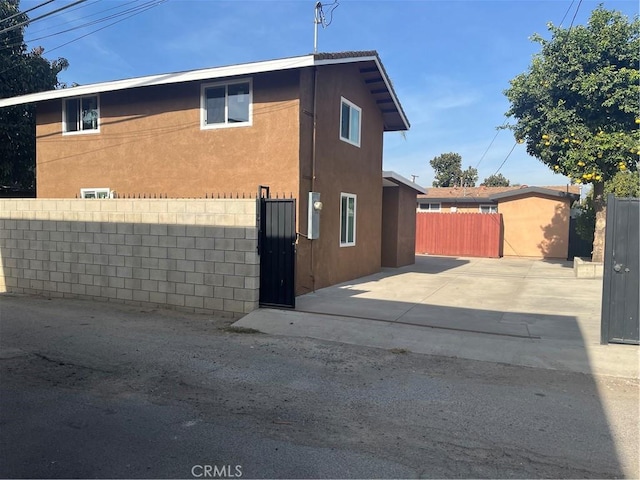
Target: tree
<point>495,180</point>
<point>577,105</point>
<point>623,184</point>
<point>21,72</point>
<point>449,173</point>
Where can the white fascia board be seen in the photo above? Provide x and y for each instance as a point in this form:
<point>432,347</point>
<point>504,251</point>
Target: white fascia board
<point>387,83</point>
<point>399,179</point>
<point>163,79</point>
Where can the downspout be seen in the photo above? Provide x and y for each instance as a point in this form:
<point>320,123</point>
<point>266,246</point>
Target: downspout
<point>313,166</point>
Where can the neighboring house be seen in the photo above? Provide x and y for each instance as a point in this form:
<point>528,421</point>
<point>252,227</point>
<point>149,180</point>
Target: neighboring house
<point>535,220</point>
<point>312,123</point>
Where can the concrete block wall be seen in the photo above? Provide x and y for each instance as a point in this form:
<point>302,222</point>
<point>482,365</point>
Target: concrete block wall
<point>193,254</point>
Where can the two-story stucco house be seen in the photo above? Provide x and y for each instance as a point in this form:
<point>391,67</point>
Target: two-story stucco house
<point>312,123</point>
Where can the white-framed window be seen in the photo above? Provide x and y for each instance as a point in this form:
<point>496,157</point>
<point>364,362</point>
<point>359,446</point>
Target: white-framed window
<point>81,115</point>
<point>95,193</point>
<point>488,209</point>
<point>227,104</point>
<point>429,207</point>
<point>347,220</point>
<point>350,122</point>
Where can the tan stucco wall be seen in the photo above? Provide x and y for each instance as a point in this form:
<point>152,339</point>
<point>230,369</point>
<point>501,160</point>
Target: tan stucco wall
<point>150,141</point>
<point>341,167</point>
<point>390,211</point>
<point>535,226</point>
<point>398,226</point>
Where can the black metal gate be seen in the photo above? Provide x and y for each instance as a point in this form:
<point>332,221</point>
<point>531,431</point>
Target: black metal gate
<point>620,294</point>
<point>277,250</point>
<point>578,246</point>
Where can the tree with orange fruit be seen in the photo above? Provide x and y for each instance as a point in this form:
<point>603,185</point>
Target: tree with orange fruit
<point>577,108</point>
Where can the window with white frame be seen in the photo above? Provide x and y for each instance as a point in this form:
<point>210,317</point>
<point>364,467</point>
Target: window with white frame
<point>226,104</point>
<point>350,122</point>
<point>488,209</point>
<point>81,115</point>
<point>429,207</point>
<point>95,193</point>
<point>347,220</point>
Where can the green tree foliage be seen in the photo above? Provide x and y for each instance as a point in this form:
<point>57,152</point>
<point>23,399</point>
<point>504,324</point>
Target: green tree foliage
<point>495,180</point>
<point>622,185</point>
<point>577,106</point>
<point>449,173</point>
<point>21,72</point>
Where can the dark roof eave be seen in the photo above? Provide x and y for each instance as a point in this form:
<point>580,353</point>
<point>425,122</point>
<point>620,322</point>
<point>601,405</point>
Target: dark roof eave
<point>538,190</point>
<point>455,200</point>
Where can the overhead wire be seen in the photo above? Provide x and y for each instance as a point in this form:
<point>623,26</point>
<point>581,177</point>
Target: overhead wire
<point>575,14</point>
<point>140,9</point>
<point>45,15</point>
<point>515,144</point>
<point>26,11</point>
<point>66,23</point>
<point>567,12</point>
<point>153,4</point>
<point>97,21</point>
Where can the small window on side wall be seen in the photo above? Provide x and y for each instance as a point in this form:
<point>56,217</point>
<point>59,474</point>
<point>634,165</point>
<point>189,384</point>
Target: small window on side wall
<point>488,209</point>
<point>81,115</point>
<point>429,207</point>
<point>95,193</point>
<point>350,122</point>
<point>347,220</point>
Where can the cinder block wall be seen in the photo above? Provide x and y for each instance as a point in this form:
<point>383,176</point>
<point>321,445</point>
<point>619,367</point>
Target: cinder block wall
<point>195,255</point>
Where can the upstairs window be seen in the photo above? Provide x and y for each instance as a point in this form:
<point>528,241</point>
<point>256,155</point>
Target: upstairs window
<point>81,115</point>
<point>226,104</point>
<point>350,122</point>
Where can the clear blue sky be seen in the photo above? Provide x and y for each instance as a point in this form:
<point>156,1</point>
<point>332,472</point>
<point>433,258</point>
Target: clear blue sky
<point>449,60</point>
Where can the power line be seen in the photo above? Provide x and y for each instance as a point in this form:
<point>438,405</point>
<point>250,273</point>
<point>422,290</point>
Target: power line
<point>28,22</point>
<point>151,4</point>
<point>567,12</point>
<point>65,23</point>
<point>490,144</point>
<point>26,11</point>
<point>506,158</point>
<point>99,20</point>
<point>155,3</point>
<point>575,14</point>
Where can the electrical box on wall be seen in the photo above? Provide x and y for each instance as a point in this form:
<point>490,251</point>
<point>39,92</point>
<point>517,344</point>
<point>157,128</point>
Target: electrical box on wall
<point>313,219</point>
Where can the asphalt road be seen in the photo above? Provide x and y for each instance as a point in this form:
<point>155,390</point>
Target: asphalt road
<point>93,390</point>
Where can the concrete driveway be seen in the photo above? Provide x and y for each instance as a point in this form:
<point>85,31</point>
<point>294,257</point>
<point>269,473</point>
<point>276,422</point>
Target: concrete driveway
<point>519,311</point>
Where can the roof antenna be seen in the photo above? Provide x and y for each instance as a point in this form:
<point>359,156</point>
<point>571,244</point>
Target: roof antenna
<point>320,19</point>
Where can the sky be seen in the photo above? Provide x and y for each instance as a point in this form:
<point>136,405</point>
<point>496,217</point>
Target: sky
<point>449,60</point>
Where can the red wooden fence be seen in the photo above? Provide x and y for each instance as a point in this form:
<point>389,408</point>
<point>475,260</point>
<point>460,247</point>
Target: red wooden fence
<point>459,234</point>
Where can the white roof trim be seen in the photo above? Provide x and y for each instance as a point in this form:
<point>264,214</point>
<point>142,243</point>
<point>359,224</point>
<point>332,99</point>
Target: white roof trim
<point>399,179</point>
<point>205,74</point>
<point>163,79</point>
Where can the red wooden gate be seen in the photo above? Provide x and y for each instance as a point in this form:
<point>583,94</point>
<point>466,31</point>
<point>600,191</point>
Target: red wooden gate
<point>459,234</point>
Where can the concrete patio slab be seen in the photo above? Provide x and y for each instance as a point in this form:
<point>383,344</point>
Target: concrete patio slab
<point>521,311</point>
